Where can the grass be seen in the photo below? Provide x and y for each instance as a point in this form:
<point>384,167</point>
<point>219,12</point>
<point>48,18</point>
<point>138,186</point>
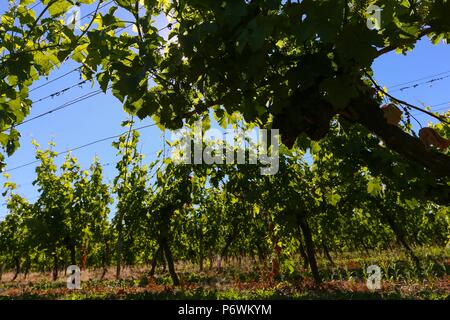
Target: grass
<point>248,280</point>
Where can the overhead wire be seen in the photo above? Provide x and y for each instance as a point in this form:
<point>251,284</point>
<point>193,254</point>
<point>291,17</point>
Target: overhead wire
<point>54,80</point>
<point>60,107</point>
<point>83,146</point>
<point>419,79</point>
<point>72,102</point>
<point>431,82</point>
<point>67,104</point>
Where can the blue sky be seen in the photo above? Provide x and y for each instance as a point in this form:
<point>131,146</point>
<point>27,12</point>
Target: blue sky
<point>101,116</point>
